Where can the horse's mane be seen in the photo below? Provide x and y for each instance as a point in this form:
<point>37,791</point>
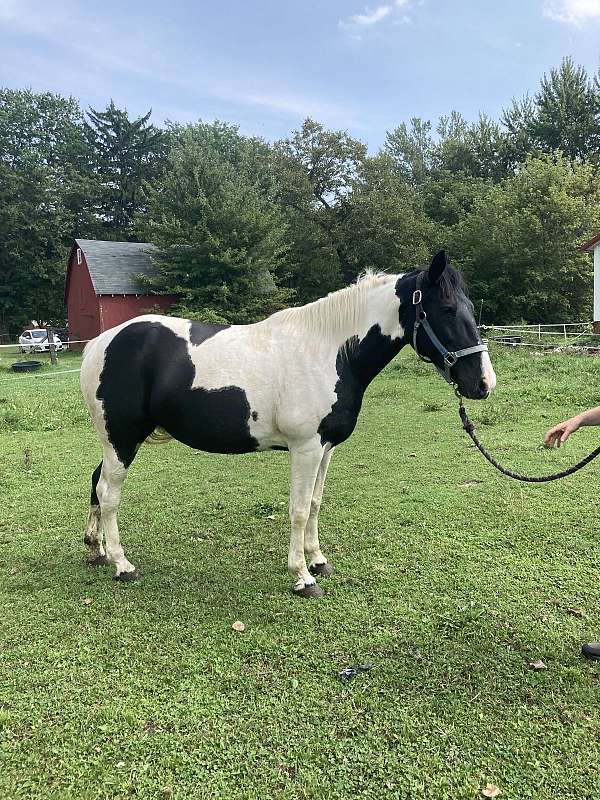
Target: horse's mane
<point>343,311</point>
<point>338,311</point>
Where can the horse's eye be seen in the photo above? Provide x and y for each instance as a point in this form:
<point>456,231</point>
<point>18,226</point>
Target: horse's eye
<point>449,310</point>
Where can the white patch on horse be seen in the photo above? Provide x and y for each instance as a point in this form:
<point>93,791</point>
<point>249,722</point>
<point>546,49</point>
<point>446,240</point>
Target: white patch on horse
<point>489,376</point>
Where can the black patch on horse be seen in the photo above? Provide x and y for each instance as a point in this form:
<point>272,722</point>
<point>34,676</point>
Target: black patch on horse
<point>356,364</point>
<point>201,331</point>
<point>95,478</point>
<point>146,383</point>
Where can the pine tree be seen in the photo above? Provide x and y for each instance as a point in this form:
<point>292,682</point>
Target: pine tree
<point>564,115</point>
<point>127,154</point>
<point>222,241</point>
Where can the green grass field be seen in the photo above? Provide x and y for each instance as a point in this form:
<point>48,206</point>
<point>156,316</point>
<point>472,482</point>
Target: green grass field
<point>449,578</point>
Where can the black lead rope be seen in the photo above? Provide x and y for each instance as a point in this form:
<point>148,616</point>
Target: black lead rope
<point>470,429</point>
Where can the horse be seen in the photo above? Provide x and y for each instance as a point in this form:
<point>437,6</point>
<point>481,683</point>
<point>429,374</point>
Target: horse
<point>294,381</point>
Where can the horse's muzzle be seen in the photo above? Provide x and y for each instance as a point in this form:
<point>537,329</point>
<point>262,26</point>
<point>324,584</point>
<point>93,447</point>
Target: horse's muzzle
<point>480,392</point>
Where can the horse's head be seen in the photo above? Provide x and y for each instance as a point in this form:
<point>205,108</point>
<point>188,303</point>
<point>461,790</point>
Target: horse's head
<point>437,317</point>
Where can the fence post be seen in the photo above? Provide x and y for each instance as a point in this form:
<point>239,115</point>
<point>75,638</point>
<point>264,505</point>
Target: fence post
<point>51,345</point>
<point>565,330</point>
<point>539,333</point>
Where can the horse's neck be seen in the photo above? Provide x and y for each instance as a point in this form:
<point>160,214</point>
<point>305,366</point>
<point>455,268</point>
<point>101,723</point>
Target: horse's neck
<point>378,336</point>
<point>358,326</point>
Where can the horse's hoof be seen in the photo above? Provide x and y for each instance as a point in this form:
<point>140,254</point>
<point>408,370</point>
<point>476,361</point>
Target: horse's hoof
<point>128,577</point>
<point>98,561</point>
<point>321,570</point>
<point>312,590</point>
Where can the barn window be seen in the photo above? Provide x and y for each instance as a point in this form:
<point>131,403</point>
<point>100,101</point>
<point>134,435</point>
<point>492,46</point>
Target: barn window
<point>79,259</point>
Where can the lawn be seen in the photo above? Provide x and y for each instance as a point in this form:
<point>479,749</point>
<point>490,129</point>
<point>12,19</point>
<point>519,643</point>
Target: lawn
<point>450,579</point>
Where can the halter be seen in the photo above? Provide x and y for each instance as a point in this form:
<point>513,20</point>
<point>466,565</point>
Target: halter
<point>450,357</point>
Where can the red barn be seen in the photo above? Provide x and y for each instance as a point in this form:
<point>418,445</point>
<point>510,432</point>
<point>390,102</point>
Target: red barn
<point>102,287</point>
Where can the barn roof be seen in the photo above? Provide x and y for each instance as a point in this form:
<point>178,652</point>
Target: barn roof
<point>114,266</point>
<point>591,243</point>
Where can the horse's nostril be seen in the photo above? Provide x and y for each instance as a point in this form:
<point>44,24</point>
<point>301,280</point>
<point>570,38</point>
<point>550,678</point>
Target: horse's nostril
<point>483,390</point>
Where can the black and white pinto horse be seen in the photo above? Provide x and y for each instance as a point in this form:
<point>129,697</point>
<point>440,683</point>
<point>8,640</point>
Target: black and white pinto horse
<point>294,381</point>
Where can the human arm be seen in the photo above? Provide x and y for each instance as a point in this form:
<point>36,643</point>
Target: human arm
<point>560,433</point>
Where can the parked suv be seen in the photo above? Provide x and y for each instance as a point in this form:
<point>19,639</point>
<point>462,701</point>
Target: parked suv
<point>35,340</point>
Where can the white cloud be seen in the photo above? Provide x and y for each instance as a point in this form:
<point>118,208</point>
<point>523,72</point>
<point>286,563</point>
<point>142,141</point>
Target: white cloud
<point>370,17</point>
<point>373,16</point>
<point>572,12</point>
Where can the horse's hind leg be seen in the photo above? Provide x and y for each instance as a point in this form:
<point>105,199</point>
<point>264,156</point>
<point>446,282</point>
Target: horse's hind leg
<point>317,563</point>
<point>93,531</point>
<point>109,495</point>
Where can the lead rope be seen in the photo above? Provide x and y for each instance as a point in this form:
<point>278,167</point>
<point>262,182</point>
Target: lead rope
<point>470,429</point>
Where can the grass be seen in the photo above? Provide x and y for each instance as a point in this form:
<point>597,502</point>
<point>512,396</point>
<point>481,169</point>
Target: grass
<point>449,578</point>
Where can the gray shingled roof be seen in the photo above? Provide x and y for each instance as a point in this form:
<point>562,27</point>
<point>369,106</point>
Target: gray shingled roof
<point>113,266</point>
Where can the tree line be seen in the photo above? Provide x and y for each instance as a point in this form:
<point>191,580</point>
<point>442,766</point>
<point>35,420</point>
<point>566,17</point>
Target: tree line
<point>244,226</point>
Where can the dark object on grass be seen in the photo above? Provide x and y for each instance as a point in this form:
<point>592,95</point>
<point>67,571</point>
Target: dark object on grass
<point>128,577</point>
<point>514,340</point>
<point>313,590</point>
<point>349,673</point>
<point>591,650</point>
<point>26,366</point>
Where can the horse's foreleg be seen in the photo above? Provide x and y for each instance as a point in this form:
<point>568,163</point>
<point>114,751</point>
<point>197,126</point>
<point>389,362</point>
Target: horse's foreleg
<point>305,461</point>
<point>93,532</point>
<point>317,563</point>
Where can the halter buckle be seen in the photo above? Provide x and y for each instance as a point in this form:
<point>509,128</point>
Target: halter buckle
<point>450,359</point>
<point>417,297</point>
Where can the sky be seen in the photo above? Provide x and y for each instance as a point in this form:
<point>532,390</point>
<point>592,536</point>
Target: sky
<point>266,65</point>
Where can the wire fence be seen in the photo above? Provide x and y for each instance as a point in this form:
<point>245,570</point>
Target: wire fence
<point>20,378</point>
<point>31,348</point>
<point>17,348</point>
<point>577,336</point>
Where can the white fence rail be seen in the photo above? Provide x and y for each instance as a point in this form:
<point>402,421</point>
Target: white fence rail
<point>576,335</point>
<point>69,341</point>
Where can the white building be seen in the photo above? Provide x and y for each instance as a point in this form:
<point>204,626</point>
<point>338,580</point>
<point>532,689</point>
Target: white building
<point>593,245</point>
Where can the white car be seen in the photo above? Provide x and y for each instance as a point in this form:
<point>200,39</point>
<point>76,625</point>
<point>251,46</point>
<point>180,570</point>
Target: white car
<point>36,341</point>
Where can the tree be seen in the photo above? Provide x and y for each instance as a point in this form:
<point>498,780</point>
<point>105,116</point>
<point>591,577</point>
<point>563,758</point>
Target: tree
<point>127,154</point>
<point>448,197</point>
<point>519,245</point>
<point>518,121</point>
<point>412,150</point>
<point>386,228</point>
<point>350,211</point>
<point>477,150</point>
<point>316,171</point>
<point>564,115</point>
<point>222,240</point>
<point>46,198</point>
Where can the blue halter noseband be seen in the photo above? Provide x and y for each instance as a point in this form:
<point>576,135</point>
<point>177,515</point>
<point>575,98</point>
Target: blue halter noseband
<point>450,357</point>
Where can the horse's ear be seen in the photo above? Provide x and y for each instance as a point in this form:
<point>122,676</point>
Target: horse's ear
<point>437,266</point>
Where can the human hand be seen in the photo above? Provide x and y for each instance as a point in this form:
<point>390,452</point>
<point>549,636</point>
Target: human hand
<point>560,433</point>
